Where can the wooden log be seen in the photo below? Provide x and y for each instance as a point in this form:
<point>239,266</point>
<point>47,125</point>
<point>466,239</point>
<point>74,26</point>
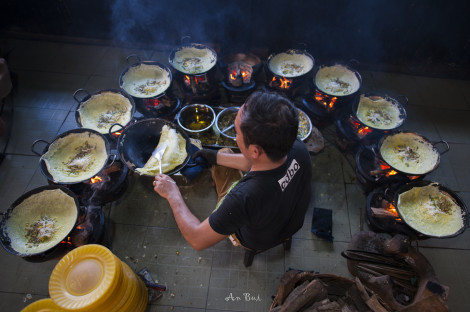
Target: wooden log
<point>303,295</point>
<point>382,213</point>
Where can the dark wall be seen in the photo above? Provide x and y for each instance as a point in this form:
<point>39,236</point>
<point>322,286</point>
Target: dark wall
<point>405,34</point>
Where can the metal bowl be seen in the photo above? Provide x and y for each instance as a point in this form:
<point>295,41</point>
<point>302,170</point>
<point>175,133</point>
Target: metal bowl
<point>305,126</point>
<point>225,122</point>
<point>196,118</point>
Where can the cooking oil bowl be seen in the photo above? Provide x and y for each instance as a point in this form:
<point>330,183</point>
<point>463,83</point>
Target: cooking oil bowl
<point>196,118</point>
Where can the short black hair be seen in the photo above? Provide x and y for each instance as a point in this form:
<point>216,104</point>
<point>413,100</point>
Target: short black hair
<point>269,120</point>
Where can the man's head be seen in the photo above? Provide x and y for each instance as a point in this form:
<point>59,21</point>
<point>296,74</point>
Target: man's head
<point>270,121</point>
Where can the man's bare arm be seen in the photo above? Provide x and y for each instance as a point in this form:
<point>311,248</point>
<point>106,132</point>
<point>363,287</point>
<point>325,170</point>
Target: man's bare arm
<point>231,160</point>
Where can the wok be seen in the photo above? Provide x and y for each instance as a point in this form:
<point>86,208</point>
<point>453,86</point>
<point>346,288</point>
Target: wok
<point>399,102</point>
<point>186,45</point>
<point>138,141</point>
<point>165,106</point>
<point>420,183</point>
<point>391,138</point>
<point>42,163</point>
<point>350,65</point>
<point>4,233</point>
<point>299,55</point>
<point>87,96</point>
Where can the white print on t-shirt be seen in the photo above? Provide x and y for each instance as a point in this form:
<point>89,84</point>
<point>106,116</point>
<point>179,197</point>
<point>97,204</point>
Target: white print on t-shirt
<point>291,171</point>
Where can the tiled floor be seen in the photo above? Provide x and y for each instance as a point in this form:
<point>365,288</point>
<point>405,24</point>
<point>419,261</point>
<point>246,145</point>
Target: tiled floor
<point>144,230</point>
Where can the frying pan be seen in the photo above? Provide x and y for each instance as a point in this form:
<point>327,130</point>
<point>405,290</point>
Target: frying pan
<point>399,101</point>
<point>87,96</point>
<point>4,237</point>
<point>138,141</point>
<point>42,162</point>
<point>420,183</point>
<point>377,150</point>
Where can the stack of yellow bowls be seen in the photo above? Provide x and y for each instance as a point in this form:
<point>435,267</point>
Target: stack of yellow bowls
<point>43,305</point>
<point>90,278</point>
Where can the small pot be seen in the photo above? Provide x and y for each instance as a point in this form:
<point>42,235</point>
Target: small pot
<point>42,163</point>
<point>330,78</point>
<point>137,142</point>
<point>421,183</point>
<point>196,118</point>
<point>395,104</point>
<point>226,128</point>
<point>304,122</point>
<point>102,93</point>
<point>415,142</point>
<point>5,238</point>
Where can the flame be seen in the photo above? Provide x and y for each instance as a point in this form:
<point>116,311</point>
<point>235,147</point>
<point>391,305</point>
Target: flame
<point>384,166</point>
<point>96,179</point>
<point>233,75</point>
<point>325,100</point>
<point>244,73</point>
<point>66,241</point>
<point>285,83</point>
<point>393,210</point>
<point>361,130</point>
<point>116,134</point>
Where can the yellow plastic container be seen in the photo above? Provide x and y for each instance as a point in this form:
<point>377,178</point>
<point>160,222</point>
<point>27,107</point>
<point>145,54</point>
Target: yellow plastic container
<point>43,305</point>
<point>90,278</point>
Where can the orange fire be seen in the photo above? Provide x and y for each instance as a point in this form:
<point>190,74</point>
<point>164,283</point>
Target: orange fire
<point>325,100</point>
<point>96,179</point>
<point>68,242</point>
<point>284,82</point>
<point>390,208</point>
<point>197,79</point>
<point>233,75</point>
<point>116,134</point>
<point>387,167</point>
<point>361,130</point>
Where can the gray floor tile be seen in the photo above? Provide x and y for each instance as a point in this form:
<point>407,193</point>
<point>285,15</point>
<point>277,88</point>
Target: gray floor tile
<point>10,301</point>
<point>422,122</point>
<point>396,84</point>
<point>453,125</point>
<point>97,83</point>
<point>441,93</point>
<point>458,157</point>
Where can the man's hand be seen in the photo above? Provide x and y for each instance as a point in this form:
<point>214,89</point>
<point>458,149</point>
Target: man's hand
<point>208,154</point>
<point>165,186</point>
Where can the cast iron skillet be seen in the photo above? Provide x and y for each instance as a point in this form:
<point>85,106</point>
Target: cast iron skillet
<point>5,239</point>
<point>137,142</point>
<point>377,151</point>
<point>400,101</point>
<point>420,183</point>
<point>87,96</point>
<point>42,162</point>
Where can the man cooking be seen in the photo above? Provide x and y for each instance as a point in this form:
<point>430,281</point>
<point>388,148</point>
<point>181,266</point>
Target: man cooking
<point>265,206</point>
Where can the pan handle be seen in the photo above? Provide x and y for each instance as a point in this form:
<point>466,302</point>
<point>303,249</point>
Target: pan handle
<point>442,142</point>
<point>113,157</point>
<point>353,63</point>
<point>403,100</point>
<point>112,126</point>
<point>84,214</point>
<point>77,92</point>
<point>133,56</point>
<point>185,40</point>
<point>34,145</point>
<point>301,46</point>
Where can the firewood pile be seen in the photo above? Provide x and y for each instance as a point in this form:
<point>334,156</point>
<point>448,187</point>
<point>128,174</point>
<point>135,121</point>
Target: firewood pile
<point>312,292</point>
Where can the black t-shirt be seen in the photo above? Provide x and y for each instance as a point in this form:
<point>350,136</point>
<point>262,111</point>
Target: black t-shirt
<point>266,207</point>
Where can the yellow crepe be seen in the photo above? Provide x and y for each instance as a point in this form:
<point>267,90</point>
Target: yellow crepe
<point>430,211</point>
<point>407,152</point>
<point>174,155</point>
<point>290,65</point>
<point>76,157</point>
<point>378,113</point>
<point>102,110</point>
<point>145,81</point>
<point>337,80</point>
<point>194,61</point>
<point>54,204</point>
